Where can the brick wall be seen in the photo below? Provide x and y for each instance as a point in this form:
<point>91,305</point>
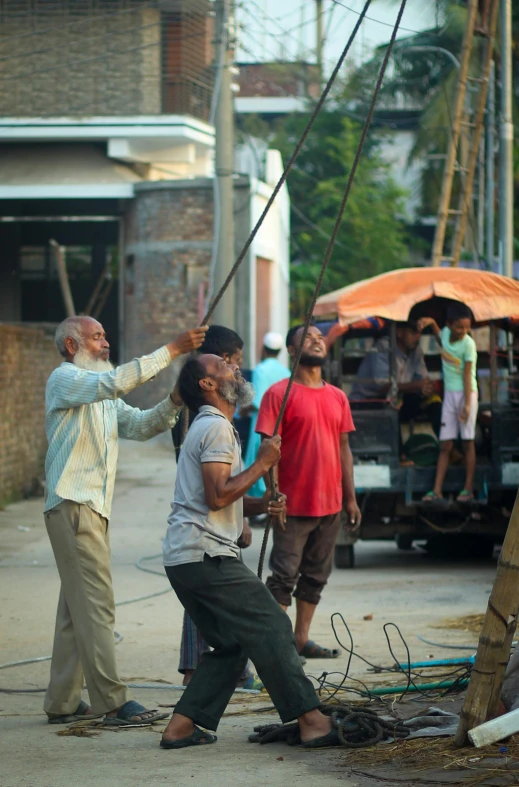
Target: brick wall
<point>27,357</point>
<point>81,64</point>
<point>168,243</point>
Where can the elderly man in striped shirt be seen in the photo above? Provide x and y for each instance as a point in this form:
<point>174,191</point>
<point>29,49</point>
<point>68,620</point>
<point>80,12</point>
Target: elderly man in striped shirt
<point>85,416</point>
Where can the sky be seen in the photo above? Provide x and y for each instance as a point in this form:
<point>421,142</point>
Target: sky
<point>286,29</point>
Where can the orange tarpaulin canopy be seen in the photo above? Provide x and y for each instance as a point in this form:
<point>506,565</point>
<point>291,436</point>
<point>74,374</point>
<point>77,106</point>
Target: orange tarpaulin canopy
<point>392,295</point>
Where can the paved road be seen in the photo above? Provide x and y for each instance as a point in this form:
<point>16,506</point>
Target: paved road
<point>410,589</point>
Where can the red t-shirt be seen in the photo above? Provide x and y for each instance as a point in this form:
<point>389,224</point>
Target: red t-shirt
<point>310,467</point>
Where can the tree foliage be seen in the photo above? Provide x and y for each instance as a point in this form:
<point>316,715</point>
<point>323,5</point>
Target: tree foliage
<point>426,79</point>
<point>372,236</point>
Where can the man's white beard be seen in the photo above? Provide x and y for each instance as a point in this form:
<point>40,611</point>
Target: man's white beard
<point>84,360</point>
<point>240,394</point>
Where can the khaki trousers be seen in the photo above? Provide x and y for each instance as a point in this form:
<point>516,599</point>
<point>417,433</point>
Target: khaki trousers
<point>84,643</point>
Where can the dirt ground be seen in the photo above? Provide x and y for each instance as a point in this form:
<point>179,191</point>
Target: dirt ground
<point>410,589</point>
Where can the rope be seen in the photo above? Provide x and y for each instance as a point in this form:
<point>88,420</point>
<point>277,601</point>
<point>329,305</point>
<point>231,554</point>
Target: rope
<point>216,300</point>
<point>355,727</point>
<point>326,260</point>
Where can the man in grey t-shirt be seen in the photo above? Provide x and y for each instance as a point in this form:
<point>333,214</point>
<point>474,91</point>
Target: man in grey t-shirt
<point>194,530</point>
<point>233,609</point>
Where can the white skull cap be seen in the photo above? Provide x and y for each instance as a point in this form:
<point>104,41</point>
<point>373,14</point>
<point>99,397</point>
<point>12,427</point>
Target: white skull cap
<point>273,341</point>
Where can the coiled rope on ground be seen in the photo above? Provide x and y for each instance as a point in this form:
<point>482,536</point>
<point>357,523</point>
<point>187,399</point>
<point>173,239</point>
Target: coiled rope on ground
<point>356,727</point>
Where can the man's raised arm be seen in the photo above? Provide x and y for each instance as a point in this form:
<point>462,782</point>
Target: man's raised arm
<point>71,386</point>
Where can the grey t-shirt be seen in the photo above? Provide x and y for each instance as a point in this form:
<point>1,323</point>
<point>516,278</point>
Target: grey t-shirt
<point>375,370</point>
<point>194,530</point>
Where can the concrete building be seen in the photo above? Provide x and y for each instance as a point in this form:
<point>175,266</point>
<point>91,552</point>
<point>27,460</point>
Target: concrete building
<point>106,148</point>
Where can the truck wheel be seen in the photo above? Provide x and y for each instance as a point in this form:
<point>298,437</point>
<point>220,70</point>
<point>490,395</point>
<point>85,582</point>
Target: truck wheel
<point>404,541</point>
<point>344,556</point>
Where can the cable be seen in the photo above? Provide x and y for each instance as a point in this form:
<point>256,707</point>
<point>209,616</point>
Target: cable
<point>216,192</point>
<point>449,647</point>
<point>118,636</point>
<point>329,251</point>
<point>316,227</point>
<point>288,167</point>
<point>386,24</point>
<point>275,57</point>
<point>284,32</point>
<point>458,675</point>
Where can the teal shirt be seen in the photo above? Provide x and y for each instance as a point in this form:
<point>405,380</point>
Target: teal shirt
<point>454,357</point>
<point>265,374</point>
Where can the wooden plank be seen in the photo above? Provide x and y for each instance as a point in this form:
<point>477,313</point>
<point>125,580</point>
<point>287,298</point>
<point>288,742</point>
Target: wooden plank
<point>493,651</point>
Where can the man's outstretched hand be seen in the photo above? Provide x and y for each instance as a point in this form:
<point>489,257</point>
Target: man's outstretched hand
<point>187,342</point>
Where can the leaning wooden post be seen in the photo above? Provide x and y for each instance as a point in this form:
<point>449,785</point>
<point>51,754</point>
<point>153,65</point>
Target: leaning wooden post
<point>493,654</point>
<point>64,283</point>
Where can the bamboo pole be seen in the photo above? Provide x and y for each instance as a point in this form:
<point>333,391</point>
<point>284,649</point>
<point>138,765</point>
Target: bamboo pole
<point>61,266</point>
<point>479,117</point>
<point>452,149</point>
<point>496,637</point>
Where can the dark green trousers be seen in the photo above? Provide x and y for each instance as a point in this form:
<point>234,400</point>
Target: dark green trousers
<point>240,619</point>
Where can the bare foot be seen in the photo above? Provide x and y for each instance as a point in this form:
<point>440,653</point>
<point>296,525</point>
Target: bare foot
<point>314,725</point>
<point>179,727</point>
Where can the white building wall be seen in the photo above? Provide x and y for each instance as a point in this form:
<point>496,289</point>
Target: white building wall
<point>395,150</point>
<point>273,243</point>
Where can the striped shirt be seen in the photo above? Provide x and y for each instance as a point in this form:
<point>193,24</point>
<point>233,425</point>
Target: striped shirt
<point>85,416</point>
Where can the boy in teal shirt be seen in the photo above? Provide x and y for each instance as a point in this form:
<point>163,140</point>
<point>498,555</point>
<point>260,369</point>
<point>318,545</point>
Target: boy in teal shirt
<point>460,402</point>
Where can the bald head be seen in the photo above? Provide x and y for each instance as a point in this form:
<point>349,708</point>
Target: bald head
<point>82,340</point>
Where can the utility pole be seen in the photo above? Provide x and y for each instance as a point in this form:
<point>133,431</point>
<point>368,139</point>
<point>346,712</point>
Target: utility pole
<point>224,313</point>
<point>506,186</point>
<point>490,151</point>
<point>319,40</point>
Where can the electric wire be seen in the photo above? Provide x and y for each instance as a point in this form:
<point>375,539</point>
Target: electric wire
<point>329,250</point>
<point>118,636</point>
<point>458,674</point>
<point>385,24</point>
<point>288,167</point>
<point>216,191</point>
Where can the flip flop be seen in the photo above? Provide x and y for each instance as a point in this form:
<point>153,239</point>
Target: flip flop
<point>465,496</point>
<point>432,497</point>
<point>331,739</point>
<point>251,682</point>
<point>314,651</point>
<point>132,708</point>
<point>197,738</point>
<point>80,714</point>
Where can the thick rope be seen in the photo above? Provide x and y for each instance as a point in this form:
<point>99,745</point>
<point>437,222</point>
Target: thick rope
<point>328,254</point>
<point>356,727</point>
<point>288,167</point>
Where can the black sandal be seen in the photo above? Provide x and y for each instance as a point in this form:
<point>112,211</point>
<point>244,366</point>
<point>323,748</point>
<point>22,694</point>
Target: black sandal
<point>80,714</point>
<point>130,709</point>
<point>197,738</point>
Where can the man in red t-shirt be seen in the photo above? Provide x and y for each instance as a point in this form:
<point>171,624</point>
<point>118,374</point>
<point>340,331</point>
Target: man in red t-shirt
<point>316,475</point>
